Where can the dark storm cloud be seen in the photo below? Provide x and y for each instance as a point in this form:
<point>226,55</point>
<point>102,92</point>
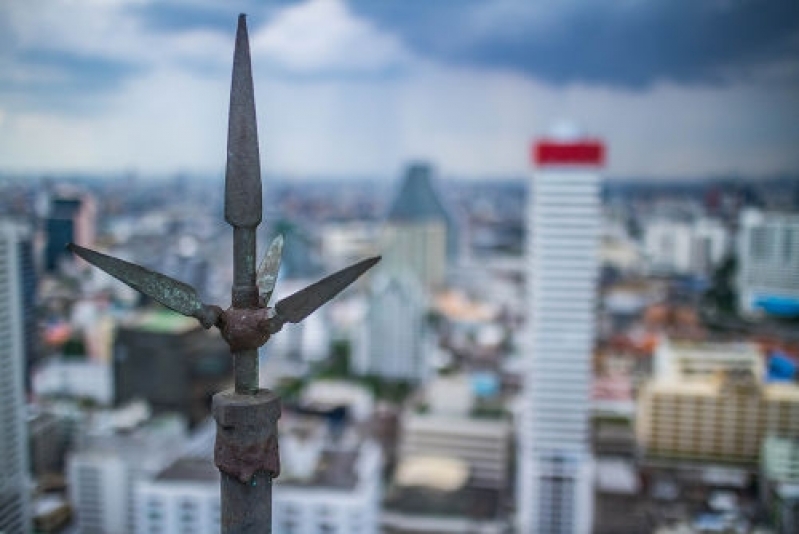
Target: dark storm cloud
<point>615,43</point>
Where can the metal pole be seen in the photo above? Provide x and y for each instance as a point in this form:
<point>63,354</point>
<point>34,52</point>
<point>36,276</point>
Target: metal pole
<point>246,450</point>
<point>246,454</point>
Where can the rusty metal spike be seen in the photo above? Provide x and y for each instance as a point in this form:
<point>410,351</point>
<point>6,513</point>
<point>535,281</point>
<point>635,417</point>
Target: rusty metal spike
<point>243,171</point>
<point>172,293</point>
<point>304,302</point>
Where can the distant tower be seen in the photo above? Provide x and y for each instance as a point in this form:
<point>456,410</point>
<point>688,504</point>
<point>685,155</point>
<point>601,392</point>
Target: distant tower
<point>556,466</point>
<point>72,218</point>
<point>419,235</point>
<point>14,487</point>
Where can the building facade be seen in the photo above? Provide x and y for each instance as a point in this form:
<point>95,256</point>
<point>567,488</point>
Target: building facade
<point>71,219</point>
<point>419,235</point>
<point>720,419</point>
<point>555,484</point>
<point>103,472</point>
<point>685,247</point>
<point>14,483</point>
<point>768,263</point>
<point>170,361</point>
<point>184,498</point>
<point>392,344</point>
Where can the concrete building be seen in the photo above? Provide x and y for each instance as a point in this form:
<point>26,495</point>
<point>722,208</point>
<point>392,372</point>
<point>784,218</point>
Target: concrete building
<point>432,494</point>
<point>779,484</point>
<point>702,360</point>
<point>685,247</point>
<point>170,361</point>
<point>555,481</point>
<point>419,235</point>
<point>104,470</point>
<point>15,512</point>
<point>330,479</point>
<point>184,497</point>
<point>71,218</point>
<point>448,426</point>
<point>80,379</point>
<point>392,336</point>
<point>720,419</point>
<point>768,263</point>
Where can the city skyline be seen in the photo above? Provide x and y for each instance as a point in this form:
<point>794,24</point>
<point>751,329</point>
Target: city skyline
<point>350,88</point>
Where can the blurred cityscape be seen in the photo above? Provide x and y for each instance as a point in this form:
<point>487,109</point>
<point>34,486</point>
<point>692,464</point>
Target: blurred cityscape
<point>562,352</point>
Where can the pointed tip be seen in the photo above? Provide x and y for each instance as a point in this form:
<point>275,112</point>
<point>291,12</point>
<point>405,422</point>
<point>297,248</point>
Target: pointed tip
<point>241,30</point>
<point>70,247</point>
<point>243,172</point>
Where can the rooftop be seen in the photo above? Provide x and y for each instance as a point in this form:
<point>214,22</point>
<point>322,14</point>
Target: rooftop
<point>190,470</point>
<point>417,200</point>
<point>162,321</point>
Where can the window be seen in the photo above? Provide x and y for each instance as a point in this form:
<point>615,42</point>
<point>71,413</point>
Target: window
<point>787,244</point>
<point>757,242</point>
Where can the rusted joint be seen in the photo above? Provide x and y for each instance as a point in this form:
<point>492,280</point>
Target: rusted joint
<point>246,433</point>
<point>246,328</point>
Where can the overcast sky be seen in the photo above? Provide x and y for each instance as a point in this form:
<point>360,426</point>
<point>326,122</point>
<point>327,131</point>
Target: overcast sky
<point>675,87</point>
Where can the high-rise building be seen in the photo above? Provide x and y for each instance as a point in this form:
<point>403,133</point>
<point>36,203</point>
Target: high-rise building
<point>14,490</point>
<point>555,485</point>
<point>71,219</point>
<point>768,263</point>
<point>419,234</point>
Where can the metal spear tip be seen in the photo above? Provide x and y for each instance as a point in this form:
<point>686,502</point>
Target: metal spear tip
<point>243,171</point>
<point>301,304</point>
<point>172,293</point>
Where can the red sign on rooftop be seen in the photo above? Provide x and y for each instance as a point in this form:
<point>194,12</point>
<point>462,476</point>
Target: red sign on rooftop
<point>583,152</point>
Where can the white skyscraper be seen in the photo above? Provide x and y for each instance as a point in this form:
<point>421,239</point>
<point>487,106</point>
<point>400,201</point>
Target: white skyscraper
<point>555,477</point>
<point>14,490</point>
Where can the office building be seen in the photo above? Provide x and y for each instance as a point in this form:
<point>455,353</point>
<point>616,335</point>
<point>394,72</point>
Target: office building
<point>692,247</point>
<point>104,470</point>
<point>392,341</point>
<point>779,482</point>
<point>449,427</point>
<point>555,481</point>
<point>433,494</point>
<point>721,418</point>
<point>14,483</point>
<point>419,235</point>
<point>674,358</point>
<point>330,478</point>
<point>768,263</point>
<point>72,218</point>
<point>171,361</point>
<point>184,497</point>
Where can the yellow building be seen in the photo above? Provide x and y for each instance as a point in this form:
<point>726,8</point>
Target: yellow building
<point>720,418</point>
